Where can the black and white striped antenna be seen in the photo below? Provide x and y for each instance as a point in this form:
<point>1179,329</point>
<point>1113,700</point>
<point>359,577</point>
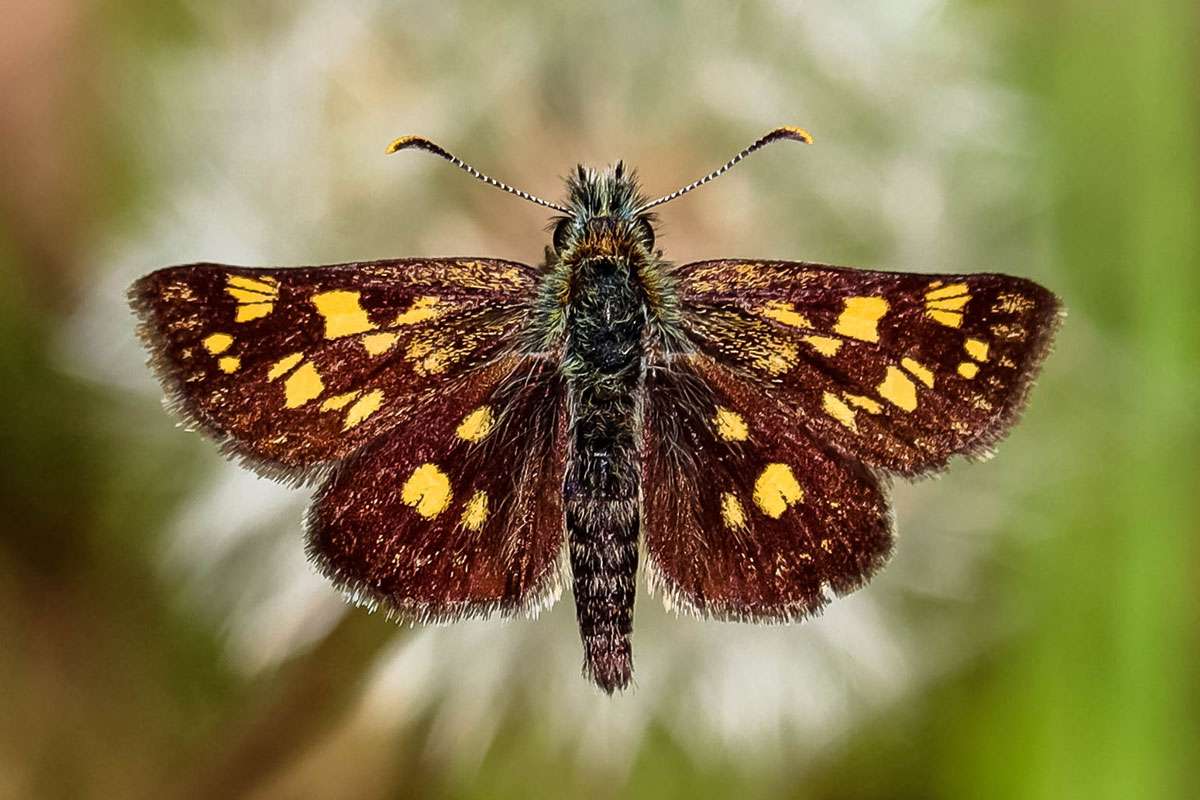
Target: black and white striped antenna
<point>421,143</point>
<point>787,132</point>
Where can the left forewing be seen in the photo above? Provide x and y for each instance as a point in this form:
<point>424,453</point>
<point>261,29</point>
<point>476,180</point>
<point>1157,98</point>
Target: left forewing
<point>293,368</point>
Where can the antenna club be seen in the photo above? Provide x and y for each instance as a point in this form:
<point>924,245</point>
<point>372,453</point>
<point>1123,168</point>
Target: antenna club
<point>407,141</point>
<point>789,132</point>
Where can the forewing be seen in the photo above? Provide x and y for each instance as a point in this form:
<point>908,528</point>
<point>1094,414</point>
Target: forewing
<point>900,370</point>
<point>747,515</point>
<point>457,512</point>
<point>292,368</point>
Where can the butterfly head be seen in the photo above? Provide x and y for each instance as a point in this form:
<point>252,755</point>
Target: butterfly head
<point>604,216</point>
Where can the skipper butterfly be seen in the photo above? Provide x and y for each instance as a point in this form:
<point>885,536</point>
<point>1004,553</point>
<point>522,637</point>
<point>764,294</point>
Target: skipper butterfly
<point>482,429</point>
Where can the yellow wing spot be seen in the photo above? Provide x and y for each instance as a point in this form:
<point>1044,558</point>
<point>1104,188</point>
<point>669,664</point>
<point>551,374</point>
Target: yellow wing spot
<point>1011,333</point>
<point>860,318</point>
<point>968,370</point>
<point>178,293</point>
<point>437,362</point>
<point>343,314</point>
<point>920,370</point>
<point>825,345</point>
<point>834,407</point>
<point>732,511</point>
<point>364,407</point>
<point>255,298</point>
<point>865,403</point>
<point>939,292</point>
<point>951,319</point>
<point>944,304</point>
<point>976,349</point>
<point>301,386</point>
<point>247,312</point>
<point>898,389</point>
<point>780,358</point>
<point>229,364</point>
<point>476,425</point>
<point>283,366</point>
<point>245,296</point>
<point>427,490</point>
<point>785,313</point>
<point>950,304</point>
<point>476,511</point>
<point>730,425</point>
<point>422,309</point>
<point>379,343</point>
<point>266,285</point>
<point>426,360</point>
<point>418,349</point>
<point>510,276</point>
<point>217,343</point>
<point>776,489</point>
<point>1012,304</point>
<point>434,364</point>
<point>340,401</point>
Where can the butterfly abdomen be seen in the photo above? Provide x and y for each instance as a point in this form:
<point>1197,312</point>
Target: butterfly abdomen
<point>602,364</point>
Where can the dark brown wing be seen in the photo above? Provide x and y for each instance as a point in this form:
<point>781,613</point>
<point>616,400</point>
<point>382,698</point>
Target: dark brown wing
<point>457,511</point>
<point>748,515</point>
<point>764,435</point>
<point>294,368</point>
<point>900,370</point>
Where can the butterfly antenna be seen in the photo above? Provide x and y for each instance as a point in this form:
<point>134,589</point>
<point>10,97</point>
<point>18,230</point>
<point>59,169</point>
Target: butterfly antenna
<point>421,143</point>
<point>795,134</point>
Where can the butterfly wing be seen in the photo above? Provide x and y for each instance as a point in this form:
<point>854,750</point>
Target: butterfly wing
<point>768,432</point>
<point>747,515</point>
<point>456,514</point>
<point>902,371</point>
<point>291,369</point>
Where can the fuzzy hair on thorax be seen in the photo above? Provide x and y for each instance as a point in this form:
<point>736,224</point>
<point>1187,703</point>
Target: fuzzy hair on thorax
<point>604,218</point>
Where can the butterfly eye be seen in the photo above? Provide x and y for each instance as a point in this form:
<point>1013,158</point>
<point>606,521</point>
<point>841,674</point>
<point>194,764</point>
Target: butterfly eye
<point>646,230</point>
<point>562,232</point>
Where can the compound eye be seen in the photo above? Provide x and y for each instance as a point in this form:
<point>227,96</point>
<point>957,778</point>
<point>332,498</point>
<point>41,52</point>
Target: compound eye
<point>647,232</point>
<point>562,232</point>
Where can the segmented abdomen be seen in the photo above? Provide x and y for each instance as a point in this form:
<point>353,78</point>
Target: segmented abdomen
<point>603,368</point>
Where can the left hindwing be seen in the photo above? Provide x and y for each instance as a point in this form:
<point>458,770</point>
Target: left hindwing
<point>900,370</point>
<point>294,368</point>
<point>457,512</point>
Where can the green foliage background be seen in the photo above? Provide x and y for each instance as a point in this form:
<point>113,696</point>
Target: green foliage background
<point>1085,688</point>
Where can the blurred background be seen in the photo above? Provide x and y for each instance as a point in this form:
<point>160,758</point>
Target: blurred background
<point>1036,633</point>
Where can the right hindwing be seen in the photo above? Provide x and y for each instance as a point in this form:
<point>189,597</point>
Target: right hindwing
<point>747,516</point>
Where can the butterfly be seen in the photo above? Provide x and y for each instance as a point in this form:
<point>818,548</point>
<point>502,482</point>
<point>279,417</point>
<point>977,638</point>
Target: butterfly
<point>484,431</point>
